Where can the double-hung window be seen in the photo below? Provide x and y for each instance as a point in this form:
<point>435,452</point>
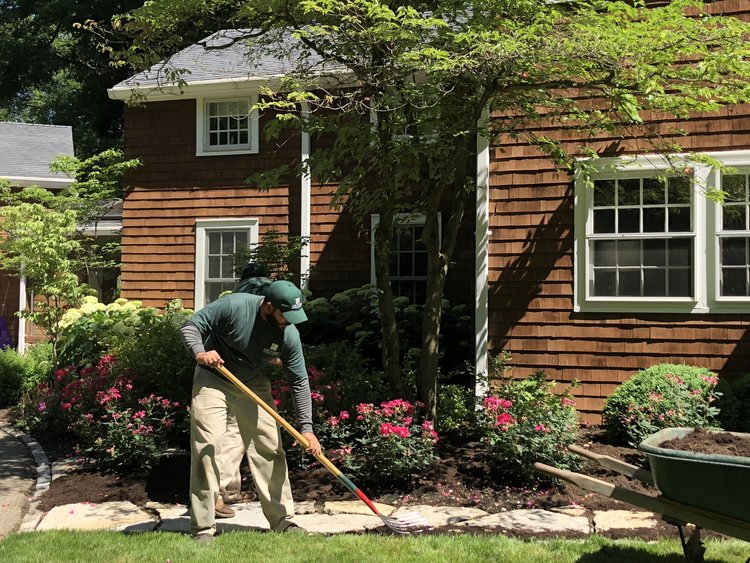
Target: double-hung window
<point>226,126</point>
<point>408,257</point>
<point>217,241</point>
<point>649,239</point>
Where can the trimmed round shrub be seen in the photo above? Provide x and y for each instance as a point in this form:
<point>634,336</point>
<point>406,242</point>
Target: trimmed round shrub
<point>662,396</point>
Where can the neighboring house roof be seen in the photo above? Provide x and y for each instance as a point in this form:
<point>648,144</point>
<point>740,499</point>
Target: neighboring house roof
<point>27,149</point>
<point>222,58</point>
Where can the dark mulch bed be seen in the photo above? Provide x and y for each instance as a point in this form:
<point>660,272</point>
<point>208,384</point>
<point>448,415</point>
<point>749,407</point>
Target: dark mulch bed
<point>462,476</point>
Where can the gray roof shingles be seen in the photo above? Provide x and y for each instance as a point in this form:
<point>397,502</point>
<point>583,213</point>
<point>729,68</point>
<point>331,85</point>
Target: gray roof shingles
<point>26,149</point>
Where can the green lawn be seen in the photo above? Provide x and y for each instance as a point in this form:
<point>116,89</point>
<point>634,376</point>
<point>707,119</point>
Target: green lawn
<point>115,547</point>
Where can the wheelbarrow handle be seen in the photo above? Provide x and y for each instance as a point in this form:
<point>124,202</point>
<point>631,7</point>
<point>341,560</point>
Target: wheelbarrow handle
<point>614,464</point>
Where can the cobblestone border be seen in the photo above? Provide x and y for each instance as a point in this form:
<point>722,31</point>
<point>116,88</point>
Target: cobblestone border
<point>43,477</point>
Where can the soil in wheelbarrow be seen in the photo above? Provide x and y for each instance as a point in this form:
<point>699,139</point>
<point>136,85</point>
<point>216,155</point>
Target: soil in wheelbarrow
<point>462,475</point>
<point>705,442</point>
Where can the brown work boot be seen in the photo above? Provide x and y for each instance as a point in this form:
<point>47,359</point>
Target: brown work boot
<point>222,510</point>
<point>234,497</point>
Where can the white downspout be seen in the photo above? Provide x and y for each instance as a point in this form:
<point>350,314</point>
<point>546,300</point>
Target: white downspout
<point>481,235</point>
<point>305,204</point>
<point>21,347</point>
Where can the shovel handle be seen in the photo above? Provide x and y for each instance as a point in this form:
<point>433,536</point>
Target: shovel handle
<point>280,419</point>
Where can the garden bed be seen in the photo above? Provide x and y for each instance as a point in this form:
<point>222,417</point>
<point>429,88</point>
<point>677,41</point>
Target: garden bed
<point>462,476</point>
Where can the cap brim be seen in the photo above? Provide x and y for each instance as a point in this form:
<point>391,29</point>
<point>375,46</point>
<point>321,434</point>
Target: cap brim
<point>295,317</point>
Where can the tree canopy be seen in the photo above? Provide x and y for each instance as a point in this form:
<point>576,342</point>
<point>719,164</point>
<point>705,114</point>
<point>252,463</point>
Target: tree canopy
<point>411,80</point>
<point>52,70</point>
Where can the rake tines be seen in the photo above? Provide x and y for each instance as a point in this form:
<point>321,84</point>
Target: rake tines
<point>408,523</point>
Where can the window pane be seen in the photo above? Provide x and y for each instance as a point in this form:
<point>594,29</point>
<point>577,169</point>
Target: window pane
<point>628,220</point>
<point>733,251</point>
<point>233,138</point>
<point>604,221</point>
<point>653,220</point>
<point>227,266</point>
<point>733,218</point>
<point>734,185</point>
<point>213,290</point>
<point>405,265</point>
<point>213,139</point>
<point>214,266</point>
<point>630,282</point>
<point>243,137</point>
<point>405,240</point>
<point>604,193</point>
<point>678,190</point>
<point>653,191</point>
<point>629,253</point>
<point>420,264</point>
<point>679,220</point>
<point>654,283</point>
<point>679,253</point>
<point>227,243</point>
<point>733,282</point>
<point>393,264</point>
<point>604,253</point>
<point>629,192</point>
<point>654,253</point>
<point>241,239</point>
<point>680,284</point>
<point>214,243</point>
<point>605,283</point>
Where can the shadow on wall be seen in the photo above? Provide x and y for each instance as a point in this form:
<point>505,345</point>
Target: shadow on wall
<point>521,281</point>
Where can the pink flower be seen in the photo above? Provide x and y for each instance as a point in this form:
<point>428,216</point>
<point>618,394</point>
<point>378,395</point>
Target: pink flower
<point>568,402</point>
<point>387,429</point>
<point>365,408</point>
<point>139,414</point>
<point>316,396</point>
<point>65,406</point>
<point>333,421</point>
<point>343,415</point>
<point>504,419</point>
<point>42,406</point>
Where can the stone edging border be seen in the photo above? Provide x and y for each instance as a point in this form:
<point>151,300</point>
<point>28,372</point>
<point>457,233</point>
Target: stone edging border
<point>43,477</point>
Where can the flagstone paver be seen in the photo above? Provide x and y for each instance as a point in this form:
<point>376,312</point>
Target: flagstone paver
<point>355,507</point>
<point>608,520</point>
<point>533,520</point>
<point>442,515</point>
<point>90,516</point>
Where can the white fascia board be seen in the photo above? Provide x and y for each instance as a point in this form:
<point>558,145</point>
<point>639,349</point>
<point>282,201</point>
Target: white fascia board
<point>52,183</point>
<point>205,87</point>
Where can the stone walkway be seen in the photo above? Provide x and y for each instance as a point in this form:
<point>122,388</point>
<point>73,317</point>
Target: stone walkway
<point>333,518</point>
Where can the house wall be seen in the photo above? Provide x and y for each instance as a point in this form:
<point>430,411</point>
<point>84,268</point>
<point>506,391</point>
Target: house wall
<point>174,187</point>
<point>531,272</point>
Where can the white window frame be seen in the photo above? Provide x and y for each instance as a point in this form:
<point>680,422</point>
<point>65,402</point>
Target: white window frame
<point>201,127</point>
<point>406,219</point>
<point>202,228</point>
<point>705,219</point>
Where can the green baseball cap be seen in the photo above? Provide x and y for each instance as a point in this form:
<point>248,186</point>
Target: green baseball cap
<point>288,299</point>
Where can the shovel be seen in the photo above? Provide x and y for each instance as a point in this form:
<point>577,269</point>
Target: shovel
<point>404,524</point>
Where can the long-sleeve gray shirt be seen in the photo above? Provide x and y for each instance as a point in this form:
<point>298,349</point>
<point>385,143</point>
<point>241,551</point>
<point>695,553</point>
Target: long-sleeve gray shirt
<point>234,327</point>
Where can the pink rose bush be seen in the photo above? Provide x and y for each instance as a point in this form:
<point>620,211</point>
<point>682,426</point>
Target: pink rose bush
<point>523,422</point>
<point>387,442</point>
<point>102,413</point>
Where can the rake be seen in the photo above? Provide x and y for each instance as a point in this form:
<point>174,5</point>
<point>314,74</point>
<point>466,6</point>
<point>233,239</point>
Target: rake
<point>407,523</point>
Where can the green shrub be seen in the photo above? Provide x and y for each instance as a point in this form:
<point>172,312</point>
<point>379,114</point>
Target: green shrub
<point>145,341</point>
<point>19,374</point>
<point>352,316</point>
<point>155,357</point>
<point>455,407</point>
<point>734,404</point>
<point>523,422</point>
<point>662,396</point>
<point>11,374</point>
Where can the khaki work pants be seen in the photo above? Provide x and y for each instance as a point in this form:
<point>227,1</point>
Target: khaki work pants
<point>232,451</point>
<point>212,397</point>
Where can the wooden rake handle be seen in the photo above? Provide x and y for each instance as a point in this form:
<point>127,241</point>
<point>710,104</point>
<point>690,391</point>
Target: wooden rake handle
<point>280,419</point>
